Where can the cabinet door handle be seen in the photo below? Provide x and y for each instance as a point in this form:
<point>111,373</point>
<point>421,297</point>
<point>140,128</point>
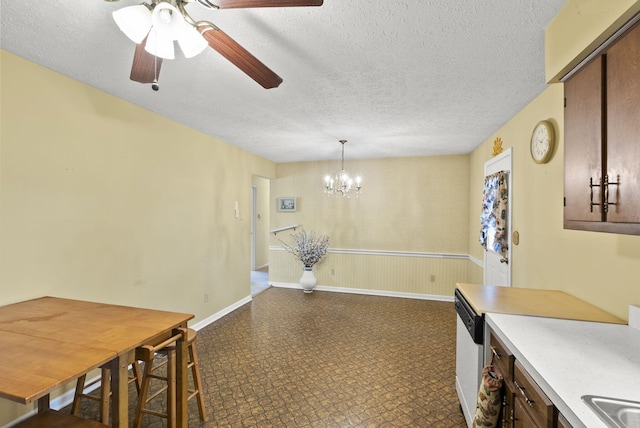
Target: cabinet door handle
<point>495,352</point>
<point>524,394</point>
<point>605,189</point>
<point>606,185</point>
<point>591,203</point>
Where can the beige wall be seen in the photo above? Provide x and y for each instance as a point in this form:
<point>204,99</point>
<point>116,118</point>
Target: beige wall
<point>102,200</point>
<point>408,205</point>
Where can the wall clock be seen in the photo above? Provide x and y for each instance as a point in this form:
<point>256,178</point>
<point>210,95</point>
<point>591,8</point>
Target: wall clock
<point>543,142</point>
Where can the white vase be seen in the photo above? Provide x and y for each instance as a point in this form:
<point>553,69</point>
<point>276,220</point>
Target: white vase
<point>308,280</point>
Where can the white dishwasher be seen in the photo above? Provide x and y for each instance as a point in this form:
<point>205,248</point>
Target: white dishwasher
<point>469,355</point>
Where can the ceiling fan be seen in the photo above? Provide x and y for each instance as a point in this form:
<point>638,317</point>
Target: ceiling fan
<point>154,27</point>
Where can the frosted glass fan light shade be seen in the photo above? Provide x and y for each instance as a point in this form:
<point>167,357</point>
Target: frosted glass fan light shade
<point>159,44</point>
<point>191,41</point>
<point>134,21</point>
<point>167,20</point>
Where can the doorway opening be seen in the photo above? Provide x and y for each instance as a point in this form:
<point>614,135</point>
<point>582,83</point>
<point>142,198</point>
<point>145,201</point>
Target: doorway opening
<point>260,198</point>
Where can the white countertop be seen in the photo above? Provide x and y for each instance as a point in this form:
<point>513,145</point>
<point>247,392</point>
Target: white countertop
<point>569,359</point>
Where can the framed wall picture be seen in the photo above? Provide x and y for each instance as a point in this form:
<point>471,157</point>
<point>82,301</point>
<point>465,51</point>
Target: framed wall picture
<point>287,204</point>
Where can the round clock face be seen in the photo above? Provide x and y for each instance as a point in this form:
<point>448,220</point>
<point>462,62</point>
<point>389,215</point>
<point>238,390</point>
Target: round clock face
<point>542,142</point>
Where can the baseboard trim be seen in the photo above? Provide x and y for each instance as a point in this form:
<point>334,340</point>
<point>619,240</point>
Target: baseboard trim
<point>205,322</point>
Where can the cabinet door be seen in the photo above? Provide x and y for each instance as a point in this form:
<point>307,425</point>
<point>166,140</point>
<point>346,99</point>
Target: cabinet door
<point>530,396</point>
<point>623,127</point>
<point>583,145</point>
<point>506,416</point>
<point>521,418</point>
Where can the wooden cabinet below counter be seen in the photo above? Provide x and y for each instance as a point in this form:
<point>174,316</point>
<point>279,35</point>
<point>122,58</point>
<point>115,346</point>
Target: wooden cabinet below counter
<point>524,404</point>
<point>567,360</point>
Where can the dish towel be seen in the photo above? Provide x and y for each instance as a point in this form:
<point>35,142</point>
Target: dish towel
<point>489,398</point>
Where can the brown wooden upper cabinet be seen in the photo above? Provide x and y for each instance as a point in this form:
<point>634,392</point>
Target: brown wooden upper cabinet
<point>602,139</point>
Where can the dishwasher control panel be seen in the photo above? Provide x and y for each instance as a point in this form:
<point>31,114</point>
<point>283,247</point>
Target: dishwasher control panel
<point>473,322</point>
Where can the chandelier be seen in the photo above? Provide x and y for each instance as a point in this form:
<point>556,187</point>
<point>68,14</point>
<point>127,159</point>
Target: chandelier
<point>342,184</point>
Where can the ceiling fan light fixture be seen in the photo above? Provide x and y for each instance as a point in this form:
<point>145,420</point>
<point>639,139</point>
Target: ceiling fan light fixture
<point>134,21</point>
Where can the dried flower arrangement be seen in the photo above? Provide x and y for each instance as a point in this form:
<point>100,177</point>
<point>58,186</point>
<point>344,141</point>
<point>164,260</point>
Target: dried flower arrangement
<point>308,248</point>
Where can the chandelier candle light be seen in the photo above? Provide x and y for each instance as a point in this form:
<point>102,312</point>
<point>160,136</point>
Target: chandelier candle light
<point>342,184</point>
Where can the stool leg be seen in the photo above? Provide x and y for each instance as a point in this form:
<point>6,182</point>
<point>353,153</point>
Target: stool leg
<point>103,398</point>
<point>171,389</point>
<point>75,408</point>
<point>137,375</point>
<point>105,393</point>
<point>144,390</point>
<point>197,380</point>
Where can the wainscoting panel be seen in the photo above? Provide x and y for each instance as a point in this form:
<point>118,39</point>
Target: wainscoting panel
<point>387,271</point>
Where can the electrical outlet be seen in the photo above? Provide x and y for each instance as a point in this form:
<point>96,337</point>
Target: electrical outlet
<point>433,278</point>
<point>206,297</point>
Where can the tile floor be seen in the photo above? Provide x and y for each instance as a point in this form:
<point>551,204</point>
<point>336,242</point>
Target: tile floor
<point>290,359</point>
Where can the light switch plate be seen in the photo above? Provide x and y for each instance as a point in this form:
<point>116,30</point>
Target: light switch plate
<point>634,316</point>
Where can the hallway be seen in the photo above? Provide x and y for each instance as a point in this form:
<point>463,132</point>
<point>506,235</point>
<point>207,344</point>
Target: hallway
<point>259,280</point>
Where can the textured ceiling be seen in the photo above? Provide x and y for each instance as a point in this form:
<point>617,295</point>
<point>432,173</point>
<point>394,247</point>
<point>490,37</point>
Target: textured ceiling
<point>394,78</point>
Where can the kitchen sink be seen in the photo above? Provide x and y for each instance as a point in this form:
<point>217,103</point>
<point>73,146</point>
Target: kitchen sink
<point>615,412</point>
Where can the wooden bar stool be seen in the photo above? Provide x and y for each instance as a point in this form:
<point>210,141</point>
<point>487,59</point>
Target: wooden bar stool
<point>147,354</point>
<point>104,395</point>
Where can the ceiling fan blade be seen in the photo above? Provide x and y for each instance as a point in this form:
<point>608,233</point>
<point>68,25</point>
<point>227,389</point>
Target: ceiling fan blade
<point>239,56</point>
<point>229,4</point>
<point>146,67</point>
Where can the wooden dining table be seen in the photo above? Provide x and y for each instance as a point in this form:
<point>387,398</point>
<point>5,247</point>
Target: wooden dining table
<point>50,341</point>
